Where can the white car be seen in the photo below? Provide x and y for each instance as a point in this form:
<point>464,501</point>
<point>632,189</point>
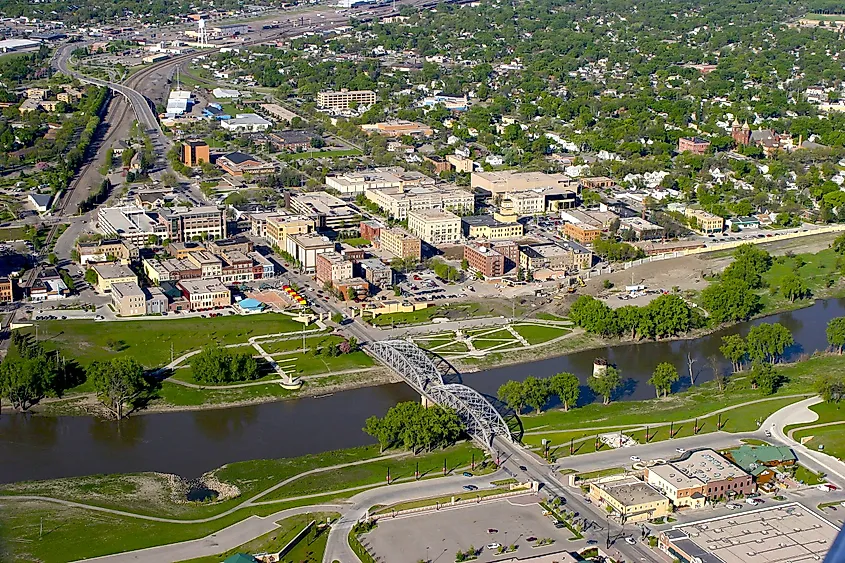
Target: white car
<point>732,506</point>
<point>680,450</point>
<point>630,540</point>
<point>493,545</point>
<point>635,458</point>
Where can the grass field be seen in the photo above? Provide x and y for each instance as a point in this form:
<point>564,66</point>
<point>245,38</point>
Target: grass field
<point>150,342</point>
<point>68,531</point>
<point>825,17</point>
<point>818,271</point>
<point>295,344</point>
<point>12,233</point>
<point>454,312</point>
<point>356,242</point>
<point>309,549</point>
<point>537,334</point>
<point>831,437</point>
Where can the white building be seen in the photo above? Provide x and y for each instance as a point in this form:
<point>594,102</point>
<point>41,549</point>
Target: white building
<point>435,226</point>
<point>246,122</point>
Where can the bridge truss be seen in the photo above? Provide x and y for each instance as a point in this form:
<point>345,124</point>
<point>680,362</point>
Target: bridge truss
<point>413,364</point>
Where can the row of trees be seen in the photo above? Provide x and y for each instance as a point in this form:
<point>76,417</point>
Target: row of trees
<point>666,316</point>
<point>765,343</point>
<point>30,372</point>
<point>535,393</point>
<point>414,427</point>
<point>216,364</point>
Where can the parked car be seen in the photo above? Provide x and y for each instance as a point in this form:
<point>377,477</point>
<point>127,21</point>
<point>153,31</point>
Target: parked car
<point>630,540</point>
<point>753,501</point>
<point>493,545</point>
<point>732,506</point>
<point>635,458</point>
<point>492,531</point>
<point>680,450</point>
<point>467,474</point>
<point>470,487</point>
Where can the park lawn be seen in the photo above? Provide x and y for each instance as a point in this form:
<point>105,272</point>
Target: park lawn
<point>815,273</point>
<point>150,342</point>
<point>487,344</point>
<point>807,476</point>
<point>458,311</point>
<point>537,334</point>
<point>357,242</point>
<point>12,233</point>
<point>295,344</point>
<point>449,348</point>
<point>698,401</point>
<point>457,458</point>
<point>831,437</point>
<point>315,365</point>
<point>550,317</point>
<point>187,374</point>
<point>309,549</point>
<point>825,17</point>
<point>68,531</point>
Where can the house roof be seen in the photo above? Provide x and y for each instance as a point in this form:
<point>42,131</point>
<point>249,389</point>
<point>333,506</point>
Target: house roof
<point>240,558</point>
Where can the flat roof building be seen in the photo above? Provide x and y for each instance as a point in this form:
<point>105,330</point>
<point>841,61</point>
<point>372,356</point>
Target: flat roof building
<point>630,499</point>
<point>556,257</point>
<point>189,223</point>
<point>205,294</point>
<point>306,247</point>
<point>398,128</point>
<point>341,100</point>
<point>246,123</point>
<point>352,183</point>
<point>331,266</point>
<point>131,224</point>
<point>279,227</point>
<point>485,260</point>
<point>400,243</point>
<point>704,222</point>
<point>489,228</point>
<point>111,273</point>
<point>328,211</point>
<point>376,272</point>
<point>128,299</point>
<point>397,202</point>
<point>435,226</point>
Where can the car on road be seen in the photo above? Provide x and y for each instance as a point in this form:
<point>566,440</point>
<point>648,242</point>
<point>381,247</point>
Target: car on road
<point>732,506</point>
<point>768,433</point>
<point>467,474</point>
<point>531,538</point>
<point>523,468</point>
<point>754,501</point>
<point>592,542</point>
<point>493,545</point>
<point>680,450</point>
<point>630,540</point>
<point>470,487</point>
<point>492,531</point>
<point>635,458</point>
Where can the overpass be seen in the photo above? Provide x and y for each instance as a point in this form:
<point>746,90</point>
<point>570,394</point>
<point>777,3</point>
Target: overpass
<point>438,382</point>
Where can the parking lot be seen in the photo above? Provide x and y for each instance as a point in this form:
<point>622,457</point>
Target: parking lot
<point>437,535</point>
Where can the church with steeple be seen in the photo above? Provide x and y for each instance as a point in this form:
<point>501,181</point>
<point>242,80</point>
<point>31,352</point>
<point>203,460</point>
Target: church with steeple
<point>741,133</point>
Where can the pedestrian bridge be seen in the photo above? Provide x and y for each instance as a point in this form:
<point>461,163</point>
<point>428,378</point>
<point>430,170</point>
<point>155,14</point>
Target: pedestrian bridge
<point>437,381</point>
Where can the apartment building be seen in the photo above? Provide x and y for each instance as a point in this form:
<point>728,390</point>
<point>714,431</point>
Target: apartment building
<point>128,299</point>
<point>370,230</point>
<point>397,202</point>
<point>341,100</point>
<point>292,139</point>
<point>195,153</point>
<point>704,222</point>
<point>376,272</point>
<point>279,227</point>
<point>331,266</point>
<point>202,295</point>
<point>485,260</point>
<point>630,499</point>
<point>435,226</point>
<point>695,145</point>
<point>185,224</point>
<point>489,228</point>
<point>328,211</point>
<point>399,242</point>
<point>109,274</point>
<point>460,164</point>
<point>306,247</point>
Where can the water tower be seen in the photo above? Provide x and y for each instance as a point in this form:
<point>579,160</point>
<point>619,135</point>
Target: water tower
<point>202,33</point>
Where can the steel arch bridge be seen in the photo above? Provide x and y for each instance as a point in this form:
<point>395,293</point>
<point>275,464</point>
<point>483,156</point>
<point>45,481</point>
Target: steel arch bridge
<point>481,419</point>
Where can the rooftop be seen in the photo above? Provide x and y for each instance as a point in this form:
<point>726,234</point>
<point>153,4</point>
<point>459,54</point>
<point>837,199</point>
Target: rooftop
<point>708,466</point>
<point>127,289</point>
<point>630,491</point>
<point>433,215</point>
<point>311,240</point>
<point>747,456</point>
<point>203,286</point>
<point>111,271</point>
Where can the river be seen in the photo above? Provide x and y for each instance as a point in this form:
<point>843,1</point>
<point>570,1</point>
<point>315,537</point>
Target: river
<point>191,442</point>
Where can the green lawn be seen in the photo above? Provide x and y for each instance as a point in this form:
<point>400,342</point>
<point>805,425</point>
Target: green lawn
<point>313,365</point>
<point>550,317</point>
<point>455,312</point>
<point>831,437</point>
<point>501,338</point>
<point>150,342</point>
<point>356,242</point>
<point>807,477</point>
<point>816,272</point>
<point>309,549</point>
<point>536,334</point>
<point>825,17</point>
<point>295,344</point>
<point>12,233</point>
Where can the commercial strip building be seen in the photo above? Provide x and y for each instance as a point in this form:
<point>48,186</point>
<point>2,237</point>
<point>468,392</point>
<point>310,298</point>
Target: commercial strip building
<point>704,222</point>
<point>630,499</point>
<point>341,100</point>
<point>205,294</point>
<point>435,226</point>
<point>556,257</point>
<point>787,532</point>
<point>106,250</point>
<point>701,475</point>
<point>400,243</point>
<point>328,211</point>
<point>488,227</point>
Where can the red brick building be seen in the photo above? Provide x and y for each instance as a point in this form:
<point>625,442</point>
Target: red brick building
<point>485,260</point>
<point>695,145</point>
<point>370,230</point>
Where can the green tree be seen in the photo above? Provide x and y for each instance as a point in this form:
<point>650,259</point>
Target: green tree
<point>730,300</point>
<point>836,333</point>
<point>118,383</point>
<point>605,384</point>
<point>536,392</point>
<point>512,394</point>
<point>594,316</point>
<point>567,388</point>
<point>91,276</point>
<point>749,265</point>
<point>734,349</point>
<point>767,342</point>
<point>793,287</point>
<point>830,386</point>
<point>219,365</point>
<point>838,244</point>
<point>765,377</point>
<point>663,377</point>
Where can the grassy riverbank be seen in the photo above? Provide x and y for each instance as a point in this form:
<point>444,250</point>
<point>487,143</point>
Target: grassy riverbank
<point>68,529</point>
